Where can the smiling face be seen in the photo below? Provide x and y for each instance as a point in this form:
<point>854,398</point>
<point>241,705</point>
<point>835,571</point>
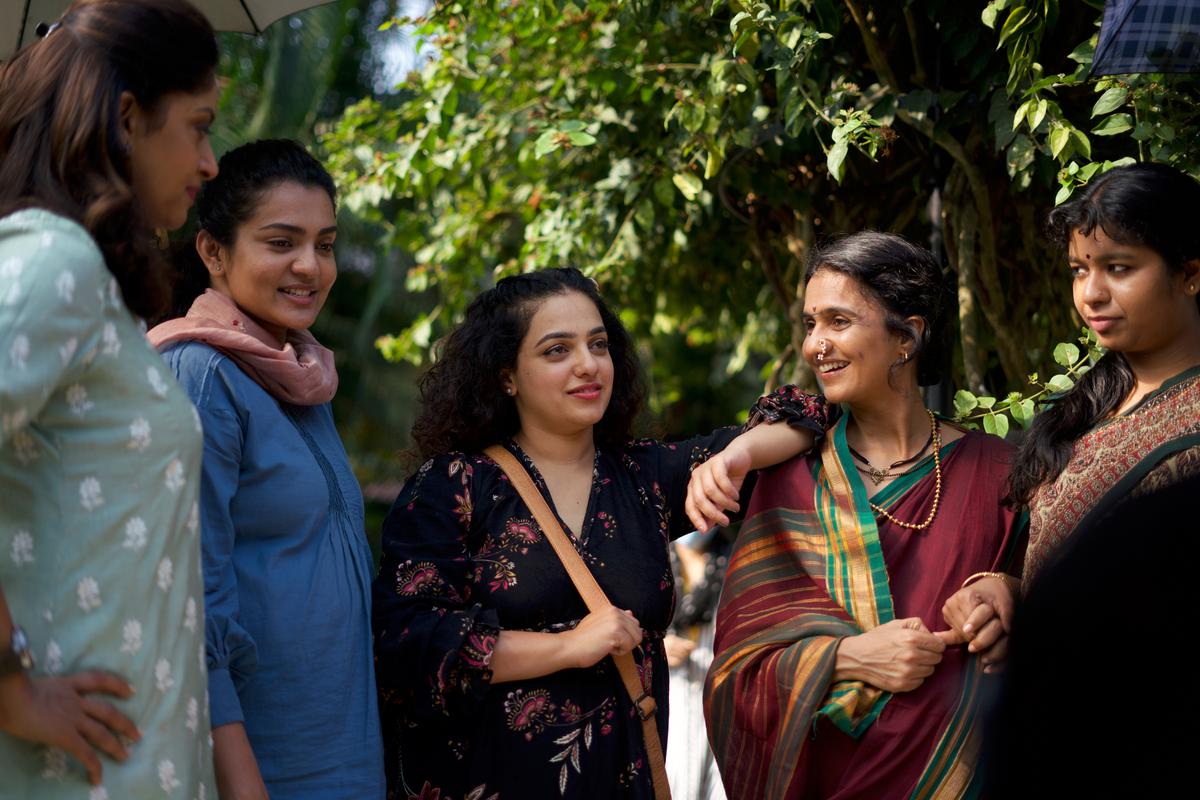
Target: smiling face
<point>169,153</point>
<point>1128,295</point>
<point>859,349</point>
<point>280,266</point>
<point>563,377</point>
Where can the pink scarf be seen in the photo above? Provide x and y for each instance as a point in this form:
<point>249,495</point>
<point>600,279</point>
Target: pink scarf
<point>302,373</point>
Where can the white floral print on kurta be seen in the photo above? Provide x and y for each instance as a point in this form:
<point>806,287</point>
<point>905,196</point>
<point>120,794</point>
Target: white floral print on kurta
<point>88,592</point>
<point>193,714</point>
<point>139,434</point>
<point>193,520</point>
<point>165,574</point>
<point>131,636</point>
<point>54,658</point>
<point>98,793</point>
<point>64,284</point>
<point>162,675</point>
<point>156,381</point>
<point>18,353</point>
<point>135,534</point>
<point>54,764</point>
<point>91,494</point>
<point>189,614</point>
<point>166,776</point>
<point>77,399</point>
<point>174,476</point>
<point>67,350</point>
<point>22,548</point>
<point>112,342</point>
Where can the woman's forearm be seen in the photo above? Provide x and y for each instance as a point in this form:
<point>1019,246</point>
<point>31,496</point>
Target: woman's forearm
<point>519,655</point>
<point>770,444</point>
<point>237,772</point>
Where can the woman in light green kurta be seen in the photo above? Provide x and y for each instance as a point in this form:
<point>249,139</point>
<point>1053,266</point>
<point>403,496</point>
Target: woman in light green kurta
<point>103,137</point>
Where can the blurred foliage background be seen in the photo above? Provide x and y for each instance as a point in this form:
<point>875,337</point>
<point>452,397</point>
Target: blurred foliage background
<point>688,155</point>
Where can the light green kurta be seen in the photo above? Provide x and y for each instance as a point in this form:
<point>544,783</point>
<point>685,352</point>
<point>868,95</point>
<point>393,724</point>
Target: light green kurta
<point>99,552</point>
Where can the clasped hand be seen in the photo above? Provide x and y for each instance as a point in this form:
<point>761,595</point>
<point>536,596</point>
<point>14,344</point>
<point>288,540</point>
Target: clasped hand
<point>980,615</point>
<point>609,631</point>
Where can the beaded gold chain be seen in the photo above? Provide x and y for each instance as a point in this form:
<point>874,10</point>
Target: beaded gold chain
<point>937,490</point>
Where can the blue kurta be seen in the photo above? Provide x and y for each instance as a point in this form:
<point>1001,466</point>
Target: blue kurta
<point>287,574</point>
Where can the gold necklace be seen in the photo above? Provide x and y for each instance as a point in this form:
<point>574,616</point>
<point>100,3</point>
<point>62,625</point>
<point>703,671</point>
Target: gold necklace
<point>937,489</point>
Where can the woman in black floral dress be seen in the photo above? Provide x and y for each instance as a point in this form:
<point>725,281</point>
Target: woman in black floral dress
<point>494,678</point>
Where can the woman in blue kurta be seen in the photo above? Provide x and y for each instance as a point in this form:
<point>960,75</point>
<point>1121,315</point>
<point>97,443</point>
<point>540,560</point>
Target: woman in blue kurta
<point>286,565</point>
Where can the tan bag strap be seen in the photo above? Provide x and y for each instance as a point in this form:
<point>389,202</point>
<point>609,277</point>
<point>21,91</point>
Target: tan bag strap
<point>595,599</point>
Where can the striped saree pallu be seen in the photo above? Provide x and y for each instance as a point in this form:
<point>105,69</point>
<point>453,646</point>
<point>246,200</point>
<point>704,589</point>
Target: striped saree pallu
<point>807,570</point>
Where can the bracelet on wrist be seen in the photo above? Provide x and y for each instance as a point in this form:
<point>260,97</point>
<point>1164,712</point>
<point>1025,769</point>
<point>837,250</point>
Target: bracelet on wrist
<point>1011,581</point>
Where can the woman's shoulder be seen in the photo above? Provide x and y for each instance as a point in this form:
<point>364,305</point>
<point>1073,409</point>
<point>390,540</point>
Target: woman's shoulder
<point>207,375</point>
<point>46,253</point>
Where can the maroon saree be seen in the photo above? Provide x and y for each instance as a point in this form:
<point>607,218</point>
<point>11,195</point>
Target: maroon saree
<point>811,566</point>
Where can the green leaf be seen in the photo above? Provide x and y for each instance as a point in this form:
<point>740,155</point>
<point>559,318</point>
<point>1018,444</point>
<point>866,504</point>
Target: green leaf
<point>1082,142</point>
<point>1016,20</point>
<point>1022,413</point>
<point>1058,140</point>
<point>964,403</point>
<point>1039,114</point>
<point>1064,194</point>
<point>688,184</point>
<point>986,402</point>
<point>1111,100</point>
<point>988,17</point>
<point>571,125</point>
<point>996,424</point>
<point>546,143</point>
<point>581,138</point>
<point>1112,125</point>
<point>836,160</point>
<point>1019,116</point>
<point>1060,383</point>
<point>1066,354</point>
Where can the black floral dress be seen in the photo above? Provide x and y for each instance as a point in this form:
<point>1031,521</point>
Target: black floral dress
<point>463,559</point>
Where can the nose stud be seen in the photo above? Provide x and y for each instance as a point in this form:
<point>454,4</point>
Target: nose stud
<point>824,345</point>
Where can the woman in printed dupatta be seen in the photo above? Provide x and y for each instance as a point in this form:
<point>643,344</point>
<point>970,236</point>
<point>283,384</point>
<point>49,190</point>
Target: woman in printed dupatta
<point>831,677</point>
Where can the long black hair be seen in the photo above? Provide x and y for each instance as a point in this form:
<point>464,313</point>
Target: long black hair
<point>60,143</point>
<point>1147,205</point>
<point>245,174</point>
<point>463,403</point>
<point>906,280</point>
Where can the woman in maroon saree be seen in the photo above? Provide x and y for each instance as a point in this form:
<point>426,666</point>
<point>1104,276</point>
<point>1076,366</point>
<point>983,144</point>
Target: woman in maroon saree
<point>832,677</point>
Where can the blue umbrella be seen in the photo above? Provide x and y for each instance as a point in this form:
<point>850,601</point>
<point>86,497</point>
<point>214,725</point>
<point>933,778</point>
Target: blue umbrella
<point>1148,36</point>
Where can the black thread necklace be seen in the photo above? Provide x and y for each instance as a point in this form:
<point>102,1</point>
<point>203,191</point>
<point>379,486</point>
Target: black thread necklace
<point>878,475</point>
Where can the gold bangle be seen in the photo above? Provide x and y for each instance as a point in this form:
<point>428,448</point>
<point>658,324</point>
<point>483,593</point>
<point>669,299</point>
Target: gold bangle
<point>1004,576</point>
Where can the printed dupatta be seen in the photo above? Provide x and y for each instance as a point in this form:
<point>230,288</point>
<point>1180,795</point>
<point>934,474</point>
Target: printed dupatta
<point>808,569</point>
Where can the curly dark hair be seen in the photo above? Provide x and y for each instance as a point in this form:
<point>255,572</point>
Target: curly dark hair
<point>60,147</point>
<point>463,403</point>
<point>1148,205</point>
<point>906,280</point>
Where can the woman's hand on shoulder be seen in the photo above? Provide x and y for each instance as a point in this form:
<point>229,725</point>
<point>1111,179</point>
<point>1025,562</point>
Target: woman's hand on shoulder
<point>897,656</point>
<point>714,487</point>
<point>62,712</point>
<point>609,631</point>
<point>980,615</point>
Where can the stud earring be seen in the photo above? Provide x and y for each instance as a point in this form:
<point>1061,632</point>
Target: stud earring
<point>905,354</point>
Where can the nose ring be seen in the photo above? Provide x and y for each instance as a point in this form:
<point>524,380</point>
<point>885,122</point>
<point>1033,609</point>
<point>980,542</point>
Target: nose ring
<point>824,345</point>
